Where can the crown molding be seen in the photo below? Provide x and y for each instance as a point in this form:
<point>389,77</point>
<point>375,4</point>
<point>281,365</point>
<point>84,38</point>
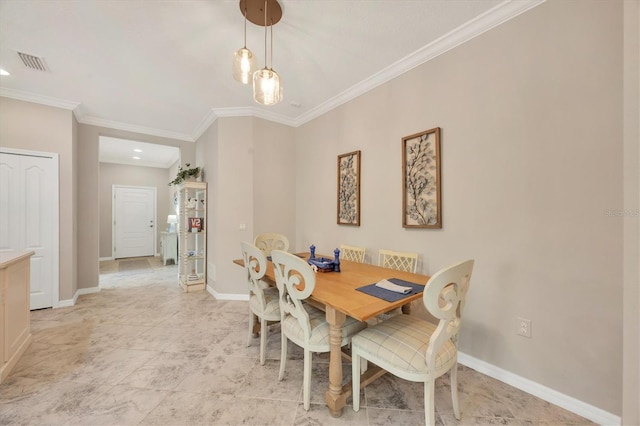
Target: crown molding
<point>254,112</point>
<point>233,112</point>
<point>216,113</point>
<point>95,121</point>
<point>87,119</point>
<point>271,116</point>
<point>499,14</point>
<point>38,99</point>
<point>205,123</point>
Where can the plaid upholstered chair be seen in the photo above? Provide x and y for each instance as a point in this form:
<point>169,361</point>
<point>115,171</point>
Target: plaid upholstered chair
<point>263,300</point>
<point>417,350</point>
<point>271,241</point>
<point>300,322</point>
<point>355,254</point>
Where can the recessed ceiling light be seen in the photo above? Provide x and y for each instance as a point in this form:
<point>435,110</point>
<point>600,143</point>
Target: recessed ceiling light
<point>136,158</point>
<point>137,150</point>
<point>4,72</point>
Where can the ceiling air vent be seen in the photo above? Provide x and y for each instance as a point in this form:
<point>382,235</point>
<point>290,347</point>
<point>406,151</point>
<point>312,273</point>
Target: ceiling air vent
<point>33,62</point>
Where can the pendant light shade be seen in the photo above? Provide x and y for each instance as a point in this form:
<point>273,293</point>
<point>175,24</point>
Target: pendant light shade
<point>266,82</point>
<point>244,63</point>
<point>266,87</point>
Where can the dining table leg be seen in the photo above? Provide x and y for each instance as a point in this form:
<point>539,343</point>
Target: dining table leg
<point>335,397</point>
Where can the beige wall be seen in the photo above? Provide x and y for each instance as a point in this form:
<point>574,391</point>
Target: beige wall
<point>531,160</point>
<point>120,174</point>
<point>171,190</point>
<point>232,199</point>
<point>34,127</point>
<point>249,164</point>
<point>631,319</point>
<point>274,182</point>
<point>89,192</point>
<point>74,203</point>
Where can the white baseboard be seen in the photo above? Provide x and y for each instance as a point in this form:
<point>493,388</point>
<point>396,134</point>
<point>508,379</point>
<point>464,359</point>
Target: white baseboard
<point>102,259</point>
<point>578,407</point>
<point>71,302</point>
<point>227,296</point>
<point>65,303</point>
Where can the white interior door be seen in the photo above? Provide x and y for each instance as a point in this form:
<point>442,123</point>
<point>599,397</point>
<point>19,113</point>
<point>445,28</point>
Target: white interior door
<point>134,214</point>
<point>29,217</point>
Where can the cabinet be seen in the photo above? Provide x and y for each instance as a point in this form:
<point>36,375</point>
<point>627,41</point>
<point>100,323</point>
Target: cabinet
<point>169,246</point>
<point>192,236</point>
<point>15,317</point>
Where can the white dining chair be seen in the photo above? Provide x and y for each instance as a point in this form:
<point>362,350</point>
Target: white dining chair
<point>300,322</point>
<point>398,260</point>
<point>352,253</point>
<point>415,349</point>
<point>271,241</point>
<point>263,300</point>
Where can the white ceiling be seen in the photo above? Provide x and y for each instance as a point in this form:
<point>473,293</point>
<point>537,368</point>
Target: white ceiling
<point>136,153</point>
<point>163,67</point>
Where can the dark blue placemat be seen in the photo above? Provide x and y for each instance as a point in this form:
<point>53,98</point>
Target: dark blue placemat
<point>388,295</point>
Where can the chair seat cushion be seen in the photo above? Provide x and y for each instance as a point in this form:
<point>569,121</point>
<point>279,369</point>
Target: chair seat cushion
<point>272,306</point>
<point>319,339</point>
<point>401,343</point>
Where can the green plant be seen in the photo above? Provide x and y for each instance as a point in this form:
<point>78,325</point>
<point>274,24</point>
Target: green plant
<point>183,174</point>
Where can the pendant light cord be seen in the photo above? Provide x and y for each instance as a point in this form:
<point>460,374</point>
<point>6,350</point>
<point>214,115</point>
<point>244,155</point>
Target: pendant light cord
<point>245,27</point>
<point>265,33</point>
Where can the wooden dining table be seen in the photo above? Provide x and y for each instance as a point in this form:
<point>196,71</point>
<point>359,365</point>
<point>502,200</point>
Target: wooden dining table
<point>336,293</point>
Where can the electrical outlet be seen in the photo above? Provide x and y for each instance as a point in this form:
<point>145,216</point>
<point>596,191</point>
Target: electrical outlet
<point>524,327</point>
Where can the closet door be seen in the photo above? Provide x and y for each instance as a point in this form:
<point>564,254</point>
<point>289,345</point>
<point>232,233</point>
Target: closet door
<point>29,219</point>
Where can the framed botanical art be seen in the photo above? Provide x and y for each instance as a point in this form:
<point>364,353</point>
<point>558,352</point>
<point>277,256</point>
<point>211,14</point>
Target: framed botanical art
<point>349,189</point>
<point>421,197</point>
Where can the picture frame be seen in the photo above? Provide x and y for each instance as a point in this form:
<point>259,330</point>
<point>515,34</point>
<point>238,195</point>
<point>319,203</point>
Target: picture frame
<point>421,180</point>
<point>349,189</point>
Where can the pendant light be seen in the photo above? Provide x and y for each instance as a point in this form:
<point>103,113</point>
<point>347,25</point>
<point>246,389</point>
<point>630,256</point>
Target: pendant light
<point>244,63</point>
<point>266,82</point>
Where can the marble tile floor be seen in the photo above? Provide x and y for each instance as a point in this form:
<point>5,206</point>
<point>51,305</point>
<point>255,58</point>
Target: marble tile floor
<point>142,352</point>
